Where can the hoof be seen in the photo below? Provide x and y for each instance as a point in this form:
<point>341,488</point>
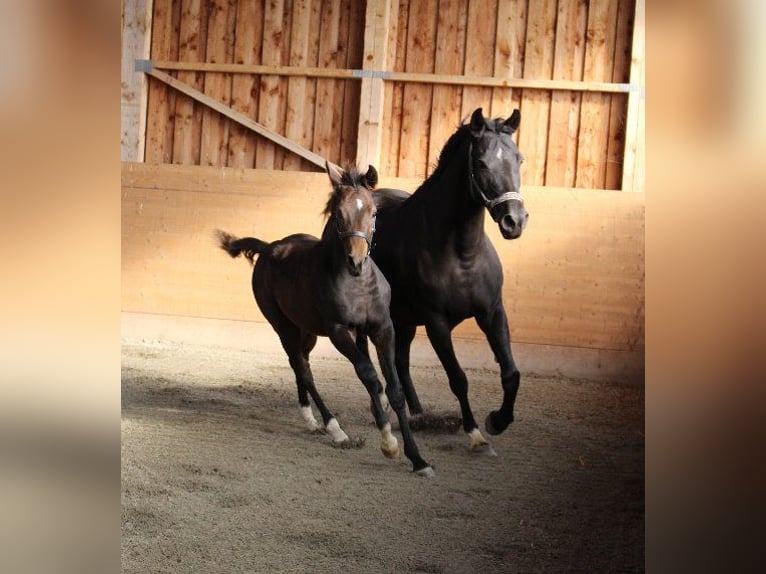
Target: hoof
<point>426,472</point>
<point>484,449</point>
<point>492,427</point>
<point>390,453</point>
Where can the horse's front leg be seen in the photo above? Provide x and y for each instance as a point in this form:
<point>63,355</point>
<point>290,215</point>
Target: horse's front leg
<point>494,323</point>
<point>383,339</point>
<point>439,333</point>
<point>341,338</point>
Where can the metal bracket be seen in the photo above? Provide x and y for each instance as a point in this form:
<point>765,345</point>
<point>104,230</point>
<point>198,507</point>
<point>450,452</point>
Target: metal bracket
<point>143,66</point>
<point>370,74</point>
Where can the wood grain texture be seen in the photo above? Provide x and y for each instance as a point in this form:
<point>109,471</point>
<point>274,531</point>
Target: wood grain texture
<point>449,59</point>
<point>416,107</point>
<point>481,35</point>
<point>566,285</point>
<point>535,105</point>
<point>569,53</point>
<point>245,88</point>
<point>594,115</point>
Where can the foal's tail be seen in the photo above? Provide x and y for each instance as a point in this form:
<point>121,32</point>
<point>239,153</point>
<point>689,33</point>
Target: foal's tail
<point>235,246</point>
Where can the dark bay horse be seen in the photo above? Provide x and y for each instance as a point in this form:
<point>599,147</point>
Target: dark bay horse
<point>432,248</point>
<point>308,287</point>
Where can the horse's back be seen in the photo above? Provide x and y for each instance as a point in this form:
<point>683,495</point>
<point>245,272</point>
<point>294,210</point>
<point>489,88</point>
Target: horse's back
<point>388,198</point>
<point>291,246</point>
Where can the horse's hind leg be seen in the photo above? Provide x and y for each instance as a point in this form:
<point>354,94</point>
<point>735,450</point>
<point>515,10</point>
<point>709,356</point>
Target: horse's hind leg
<point>439,334</point>
<point>495,327</point>
<point>404,336</point>
<point>298,345</point>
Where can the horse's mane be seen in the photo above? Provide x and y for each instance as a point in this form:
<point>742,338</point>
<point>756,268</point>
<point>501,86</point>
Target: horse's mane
<point>350,177</point>
<point>463,132</point>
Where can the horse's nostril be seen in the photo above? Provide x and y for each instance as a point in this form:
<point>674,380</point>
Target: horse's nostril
<point>507,222</point>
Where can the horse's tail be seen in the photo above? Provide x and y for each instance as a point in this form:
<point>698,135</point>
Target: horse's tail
<point>234,246</point>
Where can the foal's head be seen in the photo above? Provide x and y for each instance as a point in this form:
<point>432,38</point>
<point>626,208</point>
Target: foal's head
<point>351,209</point>
<point>494,164</point>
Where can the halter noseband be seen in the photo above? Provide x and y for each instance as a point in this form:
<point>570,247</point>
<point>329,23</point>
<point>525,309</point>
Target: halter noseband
<point>362,234</point>
<point>490,203</point>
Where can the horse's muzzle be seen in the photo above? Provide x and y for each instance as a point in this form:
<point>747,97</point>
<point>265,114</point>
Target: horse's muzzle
<point>355,267</point>
<point>510,226</point>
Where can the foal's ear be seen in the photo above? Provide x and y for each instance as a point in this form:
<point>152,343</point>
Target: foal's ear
<point>371,177</point>
<point>512,123</point>
<point>333,173</point>
<point>477,122</point>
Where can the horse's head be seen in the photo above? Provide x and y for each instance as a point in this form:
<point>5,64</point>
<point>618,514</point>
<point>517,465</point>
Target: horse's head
<point>494,171</point>
<point>352,208</point>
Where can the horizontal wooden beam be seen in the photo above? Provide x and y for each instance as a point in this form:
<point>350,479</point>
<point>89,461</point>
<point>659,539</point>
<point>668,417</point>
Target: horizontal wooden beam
<point>348,74</point>
<point>238,117</point>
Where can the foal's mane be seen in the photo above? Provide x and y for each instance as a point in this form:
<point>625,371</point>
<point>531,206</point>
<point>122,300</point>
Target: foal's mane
<point>351,177</point>
<point>448,152</point>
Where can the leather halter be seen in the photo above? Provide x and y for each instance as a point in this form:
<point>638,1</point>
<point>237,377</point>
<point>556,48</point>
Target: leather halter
<point>490,203</point>
<point>362,234</point>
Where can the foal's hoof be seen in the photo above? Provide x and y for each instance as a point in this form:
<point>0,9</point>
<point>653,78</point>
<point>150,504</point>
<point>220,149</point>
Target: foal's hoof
<point>493,426</point>
<point>390,452</point>
<point>426,472</point>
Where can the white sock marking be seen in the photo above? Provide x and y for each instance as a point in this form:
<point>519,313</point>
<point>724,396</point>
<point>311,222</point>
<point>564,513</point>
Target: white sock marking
<point>476,438</point>
<point>335,431</point>
<point>308,416</point>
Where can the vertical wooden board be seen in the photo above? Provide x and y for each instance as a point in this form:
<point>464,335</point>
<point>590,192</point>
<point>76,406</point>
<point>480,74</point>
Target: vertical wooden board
<point>295,114</point>
<point>352,88</point>
<point>191,48</point>
<point>632,175</point>
<point>565,105</point>
<point>392,117</point>
<point>421,46</point>
<point>520,14</point>
<point>157,120</point>
<point>615,151</point>
<point>594,114</point>
<point>481,31</point>
<point>449,59</point>
<point>372,90</point>
<point>173,95</point>
<point>311,83</point>
<point>508,65</point>
<point>268,103</point>
<point>245,87</point>
<point>287,22</point>
<point>217,86</point>
<point>135,34</point>
<point>535,104</point>
<point>326,143</point>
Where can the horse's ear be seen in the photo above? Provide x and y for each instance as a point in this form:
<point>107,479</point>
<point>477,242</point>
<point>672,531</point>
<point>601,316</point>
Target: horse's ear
<point>371,177</point>
<point>512,123</point>
<point>333,174</point>
<point>477,122</point>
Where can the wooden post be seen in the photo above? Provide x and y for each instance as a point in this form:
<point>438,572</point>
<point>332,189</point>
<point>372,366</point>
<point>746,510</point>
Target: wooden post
<point>632,178</point>
<point>370,131</point>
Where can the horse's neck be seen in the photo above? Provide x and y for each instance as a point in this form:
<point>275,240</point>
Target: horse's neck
<point>454,218</point>
<point>332,247</point>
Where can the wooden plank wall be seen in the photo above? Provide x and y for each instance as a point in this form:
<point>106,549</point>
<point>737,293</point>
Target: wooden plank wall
<point>136,29</point>
<point>569,138</point>
<point>320,114</point>
<point>575,279</point>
